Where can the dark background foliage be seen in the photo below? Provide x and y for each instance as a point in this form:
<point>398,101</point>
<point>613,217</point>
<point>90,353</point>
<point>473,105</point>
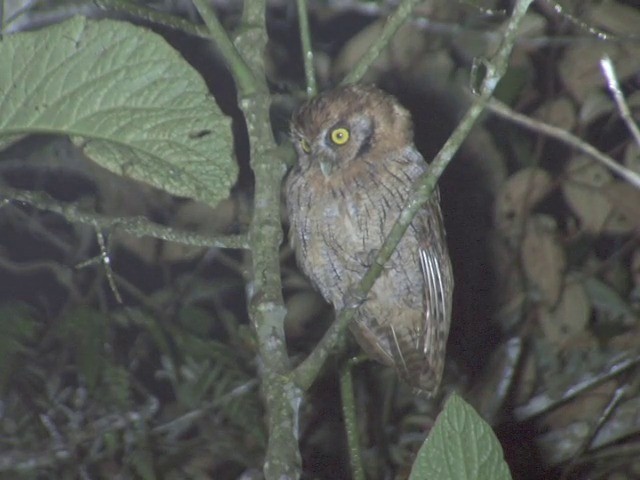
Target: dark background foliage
<point>544,243</point>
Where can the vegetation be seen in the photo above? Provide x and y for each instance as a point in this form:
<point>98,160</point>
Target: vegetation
<point>152,321</point>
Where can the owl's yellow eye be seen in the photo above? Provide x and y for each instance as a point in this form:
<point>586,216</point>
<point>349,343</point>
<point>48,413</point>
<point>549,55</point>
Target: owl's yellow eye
<point>304,144</point>
<point>340,135</point>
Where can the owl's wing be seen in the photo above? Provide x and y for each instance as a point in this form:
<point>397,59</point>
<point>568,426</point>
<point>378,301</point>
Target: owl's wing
<point>437,308</point>
<point>435,266</point>
<point>422,361</point>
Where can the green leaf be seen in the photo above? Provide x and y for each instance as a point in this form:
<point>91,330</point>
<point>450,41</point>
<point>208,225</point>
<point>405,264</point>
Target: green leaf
<point>141,460</point>
<point>133,104</point>
<point>17,329</point>
<point>460,446</point>
<point>86,330</point>
<point>604,297</point>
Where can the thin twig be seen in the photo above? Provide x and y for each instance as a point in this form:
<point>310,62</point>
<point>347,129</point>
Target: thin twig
<point>138,10</point>
<point>544,402</point>
<point>561,10</point>
<point>137,226</point>
<point>350,420</point>
<point>394,22</point>
<point>617,396</point>
<point>18,12</point>
<point>106,263</point>
<point>307,50</point>
<point>242,74</point>
<point>614,87</point>
<point>504,111</point>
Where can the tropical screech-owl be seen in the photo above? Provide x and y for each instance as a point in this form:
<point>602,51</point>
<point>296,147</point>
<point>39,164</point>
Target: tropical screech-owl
<point>356,166</point>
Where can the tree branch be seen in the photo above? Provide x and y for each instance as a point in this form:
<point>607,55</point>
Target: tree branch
<point>264,293</point>
<point>614,87</point>
<point>307,51</point>
<point>138,10</point>
<point>394,22</point>
<point>242,74</point>
<point>137,226</point>
<point>502,110</point>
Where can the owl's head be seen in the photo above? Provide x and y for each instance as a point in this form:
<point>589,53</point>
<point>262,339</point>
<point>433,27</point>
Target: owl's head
<point>353,122</point>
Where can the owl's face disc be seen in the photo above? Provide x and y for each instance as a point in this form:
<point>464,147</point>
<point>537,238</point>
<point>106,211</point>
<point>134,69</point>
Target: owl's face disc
<point>346,124</point>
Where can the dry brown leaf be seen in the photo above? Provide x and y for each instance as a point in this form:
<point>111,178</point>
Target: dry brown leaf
<point>560,112</point>
<point>588,172</point>
<point>525,387</point>
<point>580,71</point>
<point>631,157</point>
<point>594,105</point>
<point>520,193</point>
<point>487,157</point>
<point>599,102</point>
<point>614,16</point>
<point>543,259</point>
<point>406,51</point>
<point>510,288</point>
<point>583,189</point>
<point>533,25</point>
<point>566,322</point>
<point>199,217</point>
<point>302,308</point>
<point>635,267</point>
<point>625,200</point>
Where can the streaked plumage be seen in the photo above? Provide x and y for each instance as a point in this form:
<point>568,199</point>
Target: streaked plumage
<point>356,166</point>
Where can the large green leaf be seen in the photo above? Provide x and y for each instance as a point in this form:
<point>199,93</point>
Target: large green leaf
<point>460,446</point>
<point>125,96</point>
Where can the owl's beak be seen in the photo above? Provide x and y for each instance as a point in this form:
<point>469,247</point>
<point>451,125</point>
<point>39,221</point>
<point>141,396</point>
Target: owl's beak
<point>326,166</point>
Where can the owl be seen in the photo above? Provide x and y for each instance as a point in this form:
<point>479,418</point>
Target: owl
<point>356,166</point>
